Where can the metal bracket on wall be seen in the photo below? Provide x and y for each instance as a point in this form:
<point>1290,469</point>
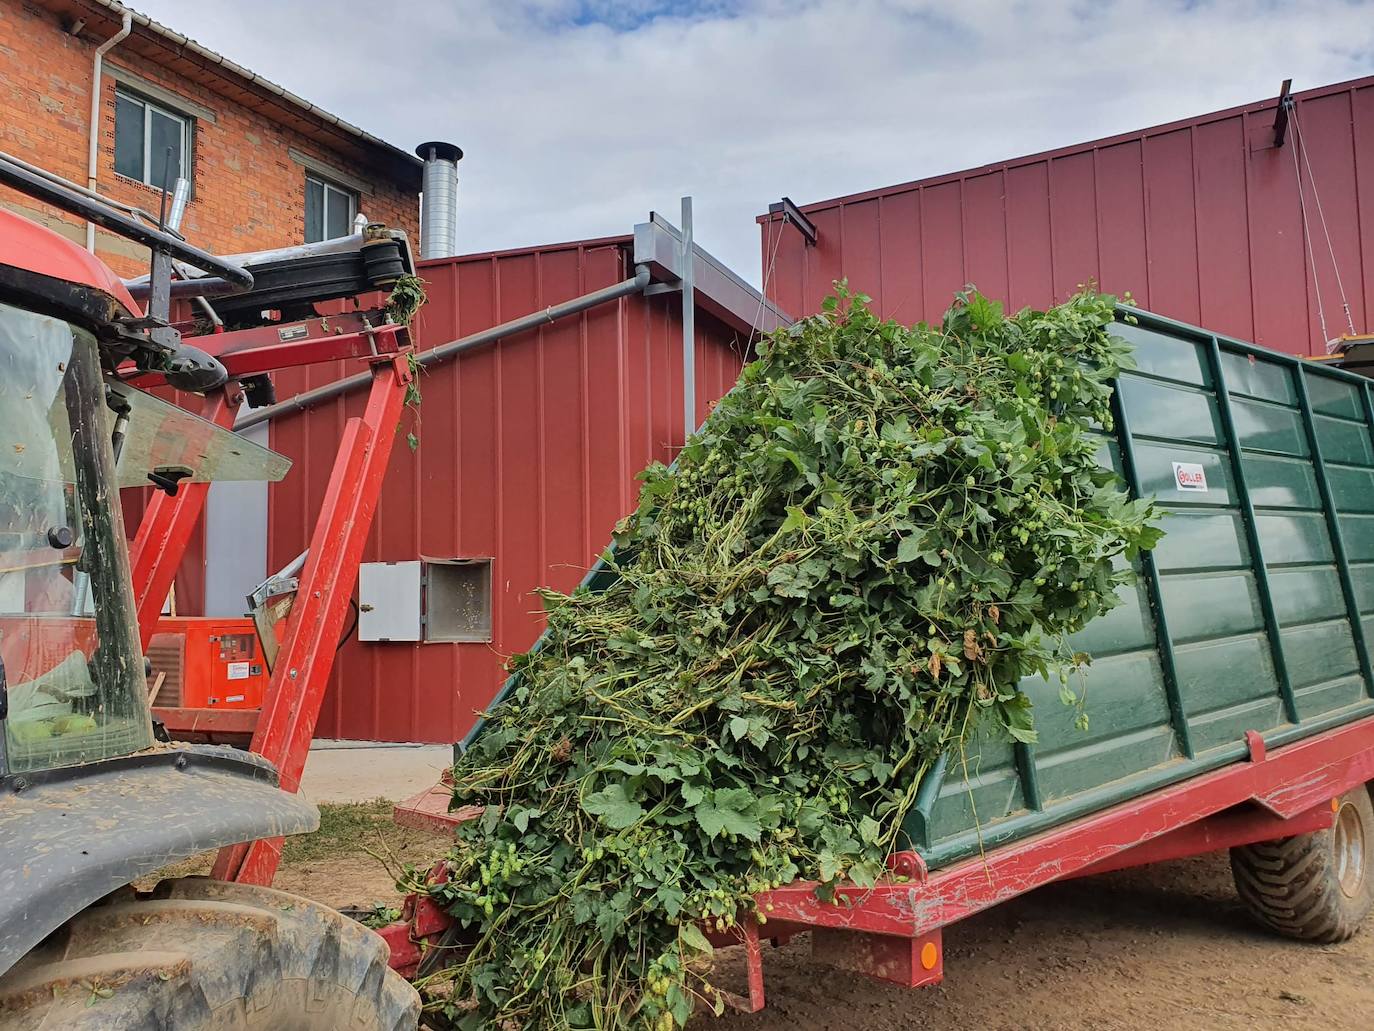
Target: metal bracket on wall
<point>719,292</point>
<point>1281,115</point>
<point>792,215</point>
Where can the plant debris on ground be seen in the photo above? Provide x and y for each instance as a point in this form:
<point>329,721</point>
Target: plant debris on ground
<point>876,535</point>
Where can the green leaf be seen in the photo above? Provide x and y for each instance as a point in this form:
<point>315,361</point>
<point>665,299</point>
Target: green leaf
<point>796,520</point>
<point>614,806</point>
<point>670,897</point>
<point>692,939</point>
<point>910,547</point>
<point>739,726</point>
<point>692,793</point>
<point>729,811</point>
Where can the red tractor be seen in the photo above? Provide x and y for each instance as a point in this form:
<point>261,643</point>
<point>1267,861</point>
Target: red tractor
<point>90,799</point>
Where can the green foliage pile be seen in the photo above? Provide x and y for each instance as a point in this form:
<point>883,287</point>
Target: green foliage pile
<point>876,535</point>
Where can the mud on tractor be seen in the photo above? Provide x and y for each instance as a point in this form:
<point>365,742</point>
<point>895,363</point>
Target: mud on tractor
<point>91,799</point>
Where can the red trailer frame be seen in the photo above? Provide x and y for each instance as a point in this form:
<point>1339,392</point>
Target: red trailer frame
<point>893,931</point>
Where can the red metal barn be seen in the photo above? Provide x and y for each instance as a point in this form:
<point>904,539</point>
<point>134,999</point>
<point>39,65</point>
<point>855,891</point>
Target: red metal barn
<point>1201,220</point>
<point>527,454</point>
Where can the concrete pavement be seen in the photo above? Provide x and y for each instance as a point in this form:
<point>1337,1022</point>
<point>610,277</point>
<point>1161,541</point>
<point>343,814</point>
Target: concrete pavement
<point>360,771</point>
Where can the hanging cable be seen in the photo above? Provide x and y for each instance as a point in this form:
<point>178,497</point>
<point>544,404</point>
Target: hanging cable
<point>767,275</point>
<point>1311,258</point>
<point>1321,215</point>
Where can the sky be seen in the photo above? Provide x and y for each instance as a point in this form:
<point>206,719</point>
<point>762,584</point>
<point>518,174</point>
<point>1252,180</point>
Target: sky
<point>578,117</point>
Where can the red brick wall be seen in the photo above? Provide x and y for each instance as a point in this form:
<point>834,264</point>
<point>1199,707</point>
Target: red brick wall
<point>248,192</point>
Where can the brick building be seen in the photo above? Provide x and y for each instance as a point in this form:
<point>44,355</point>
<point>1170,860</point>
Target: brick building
<point>267,168</point>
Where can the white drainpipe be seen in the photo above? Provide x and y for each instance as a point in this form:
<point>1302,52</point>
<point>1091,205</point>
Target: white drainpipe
<point>126,26</point>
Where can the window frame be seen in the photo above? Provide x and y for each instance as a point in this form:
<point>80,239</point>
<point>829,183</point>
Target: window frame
<point>186,120</point>
<point>327,184</point>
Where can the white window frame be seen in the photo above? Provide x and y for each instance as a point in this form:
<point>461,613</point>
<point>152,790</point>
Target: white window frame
<point>330,186</point>
<point>186,121</point>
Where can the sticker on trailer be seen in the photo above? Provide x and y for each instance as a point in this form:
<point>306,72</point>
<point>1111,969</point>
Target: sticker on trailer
<point>234,698</point>
<point>238,671</point>
<point>1190,476</point>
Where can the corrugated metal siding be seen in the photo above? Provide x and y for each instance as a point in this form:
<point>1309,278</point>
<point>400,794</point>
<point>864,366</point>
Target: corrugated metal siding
<point>1199,220</point>
<point>528,453</point>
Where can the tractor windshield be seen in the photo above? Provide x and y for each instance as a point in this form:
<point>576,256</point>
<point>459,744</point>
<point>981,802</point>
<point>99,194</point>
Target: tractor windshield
<point>71,673</point>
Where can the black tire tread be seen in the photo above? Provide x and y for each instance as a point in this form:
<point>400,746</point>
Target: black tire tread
<point>197,955</point>
<point>1290,885</point>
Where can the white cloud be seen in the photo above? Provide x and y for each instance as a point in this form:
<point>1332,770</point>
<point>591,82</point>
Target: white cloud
<point>578,117</point>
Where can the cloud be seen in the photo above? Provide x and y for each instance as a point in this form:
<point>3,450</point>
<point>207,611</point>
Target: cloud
<point>579,116</point>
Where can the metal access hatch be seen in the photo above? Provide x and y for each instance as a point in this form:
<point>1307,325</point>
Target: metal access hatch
<point>389,606</point>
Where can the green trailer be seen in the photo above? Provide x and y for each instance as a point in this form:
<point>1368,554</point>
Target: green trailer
<point>1230,696</point>
<point>1251,615</point>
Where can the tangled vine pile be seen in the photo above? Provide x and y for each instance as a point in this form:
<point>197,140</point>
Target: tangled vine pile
<point>875,536</point>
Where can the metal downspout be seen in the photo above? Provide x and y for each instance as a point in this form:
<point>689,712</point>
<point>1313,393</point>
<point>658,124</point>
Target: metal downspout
<point>126,26</point>
<point>444,351</point>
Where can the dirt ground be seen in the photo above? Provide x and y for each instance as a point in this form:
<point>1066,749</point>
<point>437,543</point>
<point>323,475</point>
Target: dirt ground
<point>1167,947</point>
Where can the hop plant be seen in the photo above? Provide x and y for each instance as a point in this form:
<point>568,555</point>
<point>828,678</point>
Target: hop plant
<point>877,534</point>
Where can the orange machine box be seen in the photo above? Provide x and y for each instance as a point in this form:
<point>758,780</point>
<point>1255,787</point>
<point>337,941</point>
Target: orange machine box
<point>207,663</point>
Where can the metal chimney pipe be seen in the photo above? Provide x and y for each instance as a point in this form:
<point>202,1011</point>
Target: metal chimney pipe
<point>181,193</point>
<point>439,202</point>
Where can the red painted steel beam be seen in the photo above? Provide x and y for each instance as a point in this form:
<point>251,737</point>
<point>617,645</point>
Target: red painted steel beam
<point>1222,831</point>
<point>294,694</point>
<point>897,959</point>
<point>166,527</point>
<point>1289,782</point>
<point>208,721</point>
<point>264,350</point>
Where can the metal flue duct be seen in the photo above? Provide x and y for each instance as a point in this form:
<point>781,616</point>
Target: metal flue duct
<point>439,204</point>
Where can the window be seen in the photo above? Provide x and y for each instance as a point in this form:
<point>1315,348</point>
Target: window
<point>152,143</point>
<point>329,210</point>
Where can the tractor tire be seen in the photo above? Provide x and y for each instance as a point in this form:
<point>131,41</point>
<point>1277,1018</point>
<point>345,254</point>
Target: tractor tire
<point>1315,887</point>
<point>196,954</point>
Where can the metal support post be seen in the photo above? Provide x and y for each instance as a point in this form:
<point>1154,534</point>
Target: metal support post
<point>689,324</point>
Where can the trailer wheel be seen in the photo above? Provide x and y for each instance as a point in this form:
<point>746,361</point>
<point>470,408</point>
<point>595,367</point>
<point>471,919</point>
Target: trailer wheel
<point>1315,887</point>
<point>197,955</point>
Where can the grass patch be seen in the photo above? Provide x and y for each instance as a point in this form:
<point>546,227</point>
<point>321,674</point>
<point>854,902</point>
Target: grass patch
<point>352,829</point>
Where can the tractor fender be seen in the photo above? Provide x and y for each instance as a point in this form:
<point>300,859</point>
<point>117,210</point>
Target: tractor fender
<point>71,836</point>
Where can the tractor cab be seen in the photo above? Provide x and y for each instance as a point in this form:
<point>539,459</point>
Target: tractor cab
<point>70,664</point>
<point>73,436</point>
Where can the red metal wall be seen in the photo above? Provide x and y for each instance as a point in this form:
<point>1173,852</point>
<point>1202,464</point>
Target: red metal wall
<point>1200,220</point>
<point>528,453</point>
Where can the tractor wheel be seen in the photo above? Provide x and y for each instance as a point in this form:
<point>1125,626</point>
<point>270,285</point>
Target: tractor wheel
<point>1316,887</point>
<point>197,954</point>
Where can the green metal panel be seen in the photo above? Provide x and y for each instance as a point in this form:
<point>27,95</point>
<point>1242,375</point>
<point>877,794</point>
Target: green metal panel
<point>1201,539</point>
<point>1268,427</point>
<point>1332,395</point>
<point>1252,614</point>
<point>1343,441</point>
<point>1352,489</point>
<point>1266,380</point>
<point>1280,482</point>
<point>1358,532</point>
<point>1166,356</point>
<point>1297,537</point>
<point>1169,410</point>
